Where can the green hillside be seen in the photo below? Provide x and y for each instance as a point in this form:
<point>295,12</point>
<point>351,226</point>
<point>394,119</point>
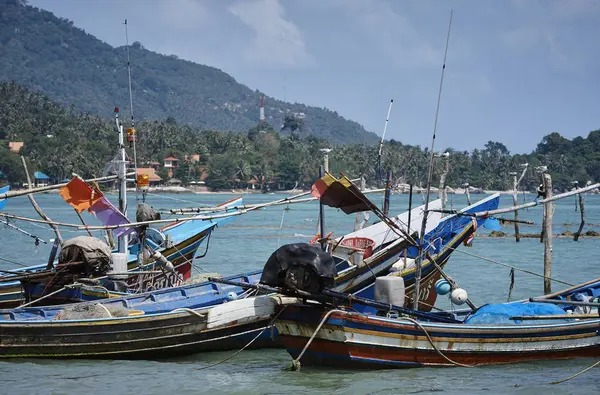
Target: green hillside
<point>49,54</point>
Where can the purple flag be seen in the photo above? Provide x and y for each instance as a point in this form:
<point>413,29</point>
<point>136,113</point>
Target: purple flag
<point>108,214</point>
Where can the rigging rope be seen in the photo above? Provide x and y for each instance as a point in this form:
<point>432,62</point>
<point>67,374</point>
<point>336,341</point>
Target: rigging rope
<point>14,262</point>
<point>510,266</point>
<point>281,227</point>
<point>178,199</point>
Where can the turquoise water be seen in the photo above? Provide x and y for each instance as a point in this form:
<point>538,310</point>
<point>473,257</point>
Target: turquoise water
<point>245,243</point>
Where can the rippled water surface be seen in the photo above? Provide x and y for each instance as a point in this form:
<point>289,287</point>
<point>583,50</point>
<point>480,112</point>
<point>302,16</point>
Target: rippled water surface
<point>245,243</point>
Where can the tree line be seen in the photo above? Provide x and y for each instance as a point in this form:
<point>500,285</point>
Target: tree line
<point>60,141</point>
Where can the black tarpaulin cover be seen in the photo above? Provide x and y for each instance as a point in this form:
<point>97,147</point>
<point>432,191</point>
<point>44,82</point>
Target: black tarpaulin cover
<point>300,266</point>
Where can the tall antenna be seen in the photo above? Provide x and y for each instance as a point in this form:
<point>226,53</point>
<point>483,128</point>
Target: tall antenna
<point>131,132</point>
<point>387,118</point>
<point>419,258</point>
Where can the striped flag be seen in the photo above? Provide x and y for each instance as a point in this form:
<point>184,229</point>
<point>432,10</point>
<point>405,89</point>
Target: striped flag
<point>340,193</point>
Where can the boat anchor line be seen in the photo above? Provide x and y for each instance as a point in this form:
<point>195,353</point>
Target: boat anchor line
<point>270,325</point>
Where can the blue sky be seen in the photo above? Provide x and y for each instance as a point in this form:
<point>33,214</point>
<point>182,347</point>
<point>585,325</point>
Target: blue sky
<point>516,70</point>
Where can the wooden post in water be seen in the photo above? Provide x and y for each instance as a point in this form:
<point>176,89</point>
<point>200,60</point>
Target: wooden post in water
<point>442,193</point>
<point>466,186</point>
<point>582,212</point>
<point>388,193</point>
<point>516,183</point>
<point>548,212</point>
<point>361,216</point>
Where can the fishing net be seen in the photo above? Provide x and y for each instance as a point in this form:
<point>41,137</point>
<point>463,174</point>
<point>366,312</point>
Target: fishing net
<point>201,278</point>
<point>90,311</point>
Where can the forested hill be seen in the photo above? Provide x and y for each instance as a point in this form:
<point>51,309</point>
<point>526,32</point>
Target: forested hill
<point>51,55</point>
<point>58,141</point>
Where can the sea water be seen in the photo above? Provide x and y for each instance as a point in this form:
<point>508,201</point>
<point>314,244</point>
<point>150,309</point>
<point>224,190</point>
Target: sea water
<point>245,243</point>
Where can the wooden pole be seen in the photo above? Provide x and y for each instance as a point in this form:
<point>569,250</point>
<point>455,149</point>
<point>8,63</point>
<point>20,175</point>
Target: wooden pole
<point>516,183</point>
<point>533,204</point>
<point>322,216</point>
<point>548,212</point>
<point>582,223</point>
<point>12,194</point>
<point>37,208</point>
<point>83,222</point>
<point>442,193</point>
<point>361,216</point>
<point>388,192</point>
<point>515,202</point>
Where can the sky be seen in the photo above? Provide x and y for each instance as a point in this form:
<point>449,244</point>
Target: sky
<point>516,70</point>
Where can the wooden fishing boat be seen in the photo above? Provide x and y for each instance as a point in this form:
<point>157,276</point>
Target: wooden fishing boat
<point>153,326</point>
<point>178,242</point>
<point>494,334</point>
<point>180,320</point>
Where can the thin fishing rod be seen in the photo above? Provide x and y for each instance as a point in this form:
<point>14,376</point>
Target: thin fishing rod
<point>419,259</point>
<point>134,136</point>
<point>387,118</point>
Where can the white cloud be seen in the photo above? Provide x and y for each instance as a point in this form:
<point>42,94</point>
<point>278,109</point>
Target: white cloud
<point>391,33</point>
<point>552,29</point>
<point>277,40</point>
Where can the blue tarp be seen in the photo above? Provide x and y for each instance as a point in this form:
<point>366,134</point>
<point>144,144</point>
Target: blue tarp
<point>501,313</point>
<point>38,175</point>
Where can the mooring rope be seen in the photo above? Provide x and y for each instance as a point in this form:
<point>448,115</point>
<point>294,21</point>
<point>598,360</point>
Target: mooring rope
<point>576,374</point>
<point>296,362</point>
<point>435,347</point>
<point>46,296</point>
<point>247,345</point>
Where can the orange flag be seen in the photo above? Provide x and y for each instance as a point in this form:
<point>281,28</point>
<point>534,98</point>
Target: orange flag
<point>79,194</point>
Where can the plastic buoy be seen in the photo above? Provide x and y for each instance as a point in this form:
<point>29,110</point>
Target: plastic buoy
<point>231,296</point>
<point>459,296</point>
<point>442,287</point>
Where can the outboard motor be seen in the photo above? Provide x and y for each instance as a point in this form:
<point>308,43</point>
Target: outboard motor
<point>301,266</point>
